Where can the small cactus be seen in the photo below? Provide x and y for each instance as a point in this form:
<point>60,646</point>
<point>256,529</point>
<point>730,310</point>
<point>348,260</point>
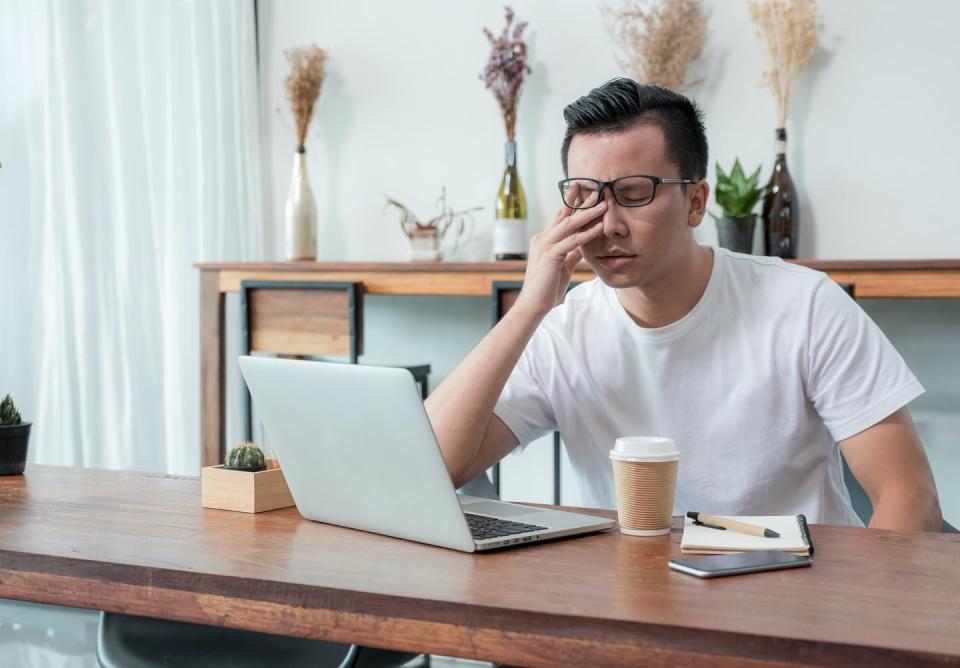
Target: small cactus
<point>246,457</point>
<point>9,416</point>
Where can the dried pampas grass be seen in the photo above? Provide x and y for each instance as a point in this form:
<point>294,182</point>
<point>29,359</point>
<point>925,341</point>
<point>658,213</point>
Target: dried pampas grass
<point>789,34</point>
<point>308,69</point>
<point>656,41</point>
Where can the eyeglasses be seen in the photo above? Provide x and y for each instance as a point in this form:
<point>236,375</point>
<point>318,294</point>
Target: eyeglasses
<point>636,190</point>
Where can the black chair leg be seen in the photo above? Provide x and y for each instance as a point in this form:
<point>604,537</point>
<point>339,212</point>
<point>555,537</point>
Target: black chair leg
<point>350,660</point>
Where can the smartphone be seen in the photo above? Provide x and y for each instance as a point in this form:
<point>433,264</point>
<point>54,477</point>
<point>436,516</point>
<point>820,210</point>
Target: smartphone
<point>718,565</point>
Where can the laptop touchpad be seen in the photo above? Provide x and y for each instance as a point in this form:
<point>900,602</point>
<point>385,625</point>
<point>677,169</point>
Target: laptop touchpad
<point>498,509</point>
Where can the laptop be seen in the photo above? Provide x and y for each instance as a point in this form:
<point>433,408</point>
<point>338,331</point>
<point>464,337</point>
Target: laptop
<point>358,450</point>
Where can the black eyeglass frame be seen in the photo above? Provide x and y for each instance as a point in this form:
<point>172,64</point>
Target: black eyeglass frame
<point>609,184</point>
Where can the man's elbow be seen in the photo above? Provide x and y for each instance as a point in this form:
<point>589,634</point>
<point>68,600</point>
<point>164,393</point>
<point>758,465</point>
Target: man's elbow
<point>935,516</point>
<point>931,502</point>
<point>914,508</point>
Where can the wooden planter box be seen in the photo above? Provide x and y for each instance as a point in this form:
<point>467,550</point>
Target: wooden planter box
<point>246,491</point>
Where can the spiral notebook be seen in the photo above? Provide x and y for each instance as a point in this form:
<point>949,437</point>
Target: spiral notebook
<point>793,530</point>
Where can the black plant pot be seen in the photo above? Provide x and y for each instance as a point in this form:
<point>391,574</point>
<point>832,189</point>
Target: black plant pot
<point>13,448</point>
<point>736,234</point>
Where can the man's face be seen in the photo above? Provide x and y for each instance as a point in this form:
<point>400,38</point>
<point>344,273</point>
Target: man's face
<point>642,244</point>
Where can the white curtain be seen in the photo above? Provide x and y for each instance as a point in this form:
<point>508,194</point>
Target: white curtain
<point>129,143</point>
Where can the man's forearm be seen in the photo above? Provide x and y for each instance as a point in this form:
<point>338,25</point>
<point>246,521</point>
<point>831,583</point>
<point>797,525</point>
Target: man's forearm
<point>461,407</point>
<point>907,510</point>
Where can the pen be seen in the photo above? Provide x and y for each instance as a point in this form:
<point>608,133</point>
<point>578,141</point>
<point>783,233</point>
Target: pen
<point>733,525</point>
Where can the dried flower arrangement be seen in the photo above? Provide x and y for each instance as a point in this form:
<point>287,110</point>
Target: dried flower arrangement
<point>439,225</point>
<point>789,33</point>
<point>308,69</point>
<point>505,70</point>
<point>656,41</point>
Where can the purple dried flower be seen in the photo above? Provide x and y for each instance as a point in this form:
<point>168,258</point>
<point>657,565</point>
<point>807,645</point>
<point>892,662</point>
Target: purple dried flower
<point>506,68</point>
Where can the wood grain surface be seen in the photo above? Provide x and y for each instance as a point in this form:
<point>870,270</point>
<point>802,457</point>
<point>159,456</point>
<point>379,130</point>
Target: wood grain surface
<point>300,322</point>
<point>212,369</point>
<point>142,544</point>
<point>871,278</point>
<point>520,265</point>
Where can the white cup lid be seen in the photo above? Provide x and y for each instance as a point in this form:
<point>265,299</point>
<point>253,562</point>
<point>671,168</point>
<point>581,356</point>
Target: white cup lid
<point>645,449</point>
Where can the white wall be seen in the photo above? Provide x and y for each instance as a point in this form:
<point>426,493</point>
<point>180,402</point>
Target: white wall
<point>873,133</point>
<point>873,151</point>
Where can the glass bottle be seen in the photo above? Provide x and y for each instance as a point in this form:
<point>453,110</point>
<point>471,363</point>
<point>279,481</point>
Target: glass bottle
<point>510,227</point>
<point>780,216</point>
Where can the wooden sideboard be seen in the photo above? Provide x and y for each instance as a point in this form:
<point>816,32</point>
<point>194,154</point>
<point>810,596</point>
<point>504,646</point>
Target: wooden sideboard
<point>870,279</point>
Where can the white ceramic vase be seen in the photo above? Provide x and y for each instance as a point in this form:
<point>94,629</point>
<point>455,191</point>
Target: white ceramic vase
<point>300,213</point>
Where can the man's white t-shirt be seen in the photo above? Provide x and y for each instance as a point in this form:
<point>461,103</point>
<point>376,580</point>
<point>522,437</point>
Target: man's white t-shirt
<point>757,384</point>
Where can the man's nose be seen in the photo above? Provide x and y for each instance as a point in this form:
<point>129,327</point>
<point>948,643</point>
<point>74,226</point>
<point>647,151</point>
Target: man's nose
<point>613,223</point>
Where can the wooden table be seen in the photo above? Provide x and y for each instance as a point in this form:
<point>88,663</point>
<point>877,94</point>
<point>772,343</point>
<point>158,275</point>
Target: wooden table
<point>141,544</point>
<point>870,278</point>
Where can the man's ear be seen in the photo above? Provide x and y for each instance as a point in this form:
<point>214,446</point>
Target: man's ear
<point>698,194</point>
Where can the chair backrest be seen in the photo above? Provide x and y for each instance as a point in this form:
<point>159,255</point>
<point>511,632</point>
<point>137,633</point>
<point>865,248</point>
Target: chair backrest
<point>858,497</point>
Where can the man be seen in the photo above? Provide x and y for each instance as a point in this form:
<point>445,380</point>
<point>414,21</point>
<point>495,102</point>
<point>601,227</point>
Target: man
<point>757,368</point>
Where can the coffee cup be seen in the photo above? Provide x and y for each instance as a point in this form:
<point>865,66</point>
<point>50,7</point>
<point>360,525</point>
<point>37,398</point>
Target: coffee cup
<point>645,478</point>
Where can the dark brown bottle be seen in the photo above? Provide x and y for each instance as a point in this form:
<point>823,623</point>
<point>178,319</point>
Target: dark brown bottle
<point>780,218</point>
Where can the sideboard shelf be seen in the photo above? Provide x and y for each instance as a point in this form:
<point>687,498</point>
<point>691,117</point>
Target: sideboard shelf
<point>870,279</point>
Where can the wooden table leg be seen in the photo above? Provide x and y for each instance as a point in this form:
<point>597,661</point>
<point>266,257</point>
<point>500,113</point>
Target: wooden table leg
<point>212,369</point>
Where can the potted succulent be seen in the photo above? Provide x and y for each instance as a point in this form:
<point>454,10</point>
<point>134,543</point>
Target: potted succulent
<point>245,457</point>
<point>426,236</point>
<point>14,434</point>
<point>738,195</point>
<point>245,482</point>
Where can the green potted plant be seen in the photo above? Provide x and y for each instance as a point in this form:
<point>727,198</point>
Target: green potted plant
<point>245,482</point>
<point>245,457</point>
<point>14,434</point>
<point>738,195</point>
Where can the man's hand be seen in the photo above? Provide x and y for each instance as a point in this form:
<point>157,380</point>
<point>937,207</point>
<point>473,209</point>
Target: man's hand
<point>889,463</point>
<point>554,252</point>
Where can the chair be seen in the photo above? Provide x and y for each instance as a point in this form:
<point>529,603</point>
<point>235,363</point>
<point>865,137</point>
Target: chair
<point>305,318</point>
<point>125,641</point>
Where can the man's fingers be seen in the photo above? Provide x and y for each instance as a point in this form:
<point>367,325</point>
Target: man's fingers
<point>577,239</point>
<point>570,196</point>
<point>573,259</point>
<point>570,224</point>
<point>566,211</point>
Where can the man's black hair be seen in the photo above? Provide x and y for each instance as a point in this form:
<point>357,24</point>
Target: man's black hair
<point>622,103</point>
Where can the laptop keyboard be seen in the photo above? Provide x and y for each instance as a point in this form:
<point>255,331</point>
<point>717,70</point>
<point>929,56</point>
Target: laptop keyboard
<point>483,527</point>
